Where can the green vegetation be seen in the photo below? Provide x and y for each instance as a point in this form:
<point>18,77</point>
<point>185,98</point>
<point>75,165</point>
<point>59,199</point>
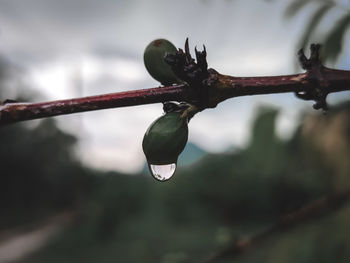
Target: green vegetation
<point>222,197</point>
<point>212,202</point>
<point>334,36</point>
<point>153,58</point>
<point>165,138</point>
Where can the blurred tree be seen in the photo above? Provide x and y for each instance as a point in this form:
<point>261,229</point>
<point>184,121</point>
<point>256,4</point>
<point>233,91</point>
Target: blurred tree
<point>334,38</point>
<point>39,173</point>
<point>219,198</point>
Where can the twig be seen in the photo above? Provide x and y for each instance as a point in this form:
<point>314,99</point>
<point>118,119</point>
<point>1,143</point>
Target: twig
<point>15,111</point>
<point>315,209</point>
<point>205,88</point>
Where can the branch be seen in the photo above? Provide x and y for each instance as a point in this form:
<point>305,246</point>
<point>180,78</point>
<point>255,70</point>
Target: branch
<point>204,88</point>
<point>12,111</point>
<point>315,209</point>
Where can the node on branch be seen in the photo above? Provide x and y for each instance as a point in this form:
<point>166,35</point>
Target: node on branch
<point>317,91</point>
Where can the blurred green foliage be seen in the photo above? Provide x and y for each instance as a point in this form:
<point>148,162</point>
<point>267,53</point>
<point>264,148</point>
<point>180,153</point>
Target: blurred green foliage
<point>222,197</point>
<point>218,199</point>
<point>334,38</point>
<point>39,173</point>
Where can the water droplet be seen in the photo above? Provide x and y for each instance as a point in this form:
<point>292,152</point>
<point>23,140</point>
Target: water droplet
<point>162,172</point>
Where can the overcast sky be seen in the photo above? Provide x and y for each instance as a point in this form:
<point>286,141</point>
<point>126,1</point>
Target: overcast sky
<point>75,48</point>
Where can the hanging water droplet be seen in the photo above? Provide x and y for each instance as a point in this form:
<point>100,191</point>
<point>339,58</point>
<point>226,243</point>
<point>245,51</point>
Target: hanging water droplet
<point>162,172</point>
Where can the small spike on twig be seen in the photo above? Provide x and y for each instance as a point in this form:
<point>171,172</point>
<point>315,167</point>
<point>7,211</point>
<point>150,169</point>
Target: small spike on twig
<point>187,50</point>
<point>303,59</point>
<point>314,74</point>
<point>314,59</point>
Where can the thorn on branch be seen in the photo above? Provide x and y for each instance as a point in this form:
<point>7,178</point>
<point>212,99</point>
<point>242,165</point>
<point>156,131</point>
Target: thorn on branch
<point>314,59</point>
<point>201,57</point>
<point>314,75</point>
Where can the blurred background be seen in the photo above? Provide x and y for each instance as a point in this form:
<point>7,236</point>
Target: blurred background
<point>76,189</point>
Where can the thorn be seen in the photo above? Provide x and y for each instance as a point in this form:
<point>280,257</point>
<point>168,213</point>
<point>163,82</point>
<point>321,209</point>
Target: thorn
<point>187,51</point>
<point>187,47</point>
<point>303,59</point>
<point>197,53</point>
<point>315,48</point>
<point>315,52</point>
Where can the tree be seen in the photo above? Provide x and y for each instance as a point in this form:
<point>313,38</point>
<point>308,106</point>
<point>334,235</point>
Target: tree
<point>335,37</point>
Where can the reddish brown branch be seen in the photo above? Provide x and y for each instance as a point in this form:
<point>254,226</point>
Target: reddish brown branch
<point>314,209</point>
<point>14,112</point>
<point>206,88</point>
<point>229,87</point>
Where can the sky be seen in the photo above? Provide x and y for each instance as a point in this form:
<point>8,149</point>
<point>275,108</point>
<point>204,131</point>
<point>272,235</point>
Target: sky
<point>73,48</point>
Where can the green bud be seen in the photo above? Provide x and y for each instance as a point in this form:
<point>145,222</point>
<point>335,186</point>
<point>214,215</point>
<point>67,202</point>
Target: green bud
<point>154,61</point>
<point>165,139</point>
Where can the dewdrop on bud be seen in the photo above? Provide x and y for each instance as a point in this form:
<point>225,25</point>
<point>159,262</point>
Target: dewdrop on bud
<point>163,142</point>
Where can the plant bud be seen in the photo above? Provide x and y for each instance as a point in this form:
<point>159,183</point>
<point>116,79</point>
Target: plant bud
<point>165,139</point>
<point>154,61</point>
<point>163,142</point>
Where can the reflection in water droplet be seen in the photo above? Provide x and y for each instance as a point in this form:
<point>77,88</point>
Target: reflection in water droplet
<point>162,172</point>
